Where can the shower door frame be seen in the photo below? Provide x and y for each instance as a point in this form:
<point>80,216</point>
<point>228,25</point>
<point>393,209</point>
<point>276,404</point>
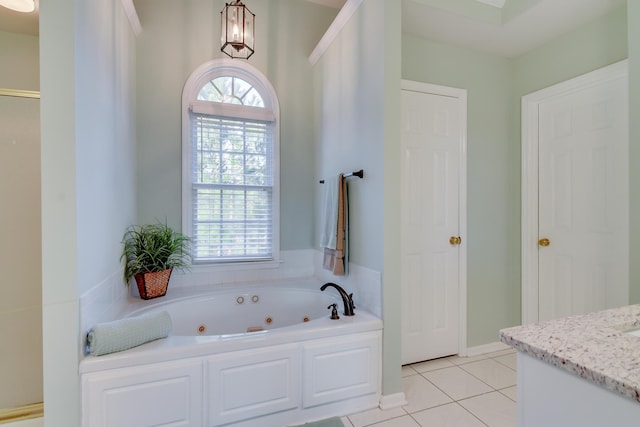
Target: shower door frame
<point>35,410</point>
<point>20,93</point>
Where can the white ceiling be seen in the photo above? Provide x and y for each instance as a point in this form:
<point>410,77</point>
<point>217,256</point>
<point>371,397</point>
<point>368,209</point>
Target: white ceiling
<point>542,22</point>
<point>537,25</point>
<point>495,3</point>
<point>331,3</point>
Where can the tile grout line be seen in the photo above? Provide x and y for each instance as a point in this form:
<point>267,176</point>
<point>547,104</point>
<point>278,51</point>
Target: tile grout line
<point>472,414</point>
<point>457,402</point>
<point>489,385</point>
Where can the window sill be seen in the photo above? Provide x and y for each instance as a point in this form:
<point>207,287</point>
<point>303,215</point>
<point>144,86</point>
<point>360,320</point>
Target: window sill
<point>236,266</point>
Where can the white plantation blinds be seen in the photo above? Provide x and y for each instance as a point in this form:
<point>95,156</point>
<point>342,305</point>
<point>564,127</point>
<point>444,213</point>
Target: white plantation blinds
<point>230,193</point>
<point>232,188</point>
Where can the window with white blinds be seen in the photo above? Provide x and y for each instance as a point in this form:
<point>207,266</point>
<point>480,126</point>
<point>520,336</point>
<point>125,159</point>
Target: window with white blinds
<point>231,169</point>
<point>232,188</point>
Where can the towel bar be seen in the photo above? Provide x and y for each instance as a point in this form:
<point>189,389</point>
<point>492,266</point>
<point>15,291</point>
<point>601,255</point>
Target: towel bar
<point>359,174</point>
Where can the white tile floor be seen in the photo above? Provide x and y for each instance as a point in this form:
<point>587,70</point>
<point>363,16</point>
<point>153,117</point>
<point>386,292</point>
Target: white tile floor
<point>455,391</point>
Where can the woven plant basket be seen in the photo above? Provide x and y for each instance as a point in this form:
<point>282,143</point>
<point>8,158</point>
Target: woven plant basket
<point>153,284</point>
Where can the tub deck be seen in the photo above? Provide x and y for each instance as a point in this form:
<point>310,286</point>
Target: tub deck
<point>179,347</point>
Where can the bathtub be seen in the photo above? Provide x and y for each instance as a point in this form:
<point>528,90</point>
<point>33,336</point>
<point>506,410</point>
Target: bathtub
<point>231,312</point>
<point>252,355</point>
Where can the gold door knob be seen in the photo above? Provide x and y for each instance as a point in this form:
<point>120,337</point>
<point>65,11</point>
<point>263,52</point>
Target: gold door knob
<point>544,242</point>
<point>454,240</point>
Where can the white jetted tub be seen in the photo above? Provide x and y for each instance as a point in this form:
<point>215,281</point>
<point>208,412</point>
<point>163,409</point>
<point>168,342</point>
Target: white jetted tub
<point>252,355</point>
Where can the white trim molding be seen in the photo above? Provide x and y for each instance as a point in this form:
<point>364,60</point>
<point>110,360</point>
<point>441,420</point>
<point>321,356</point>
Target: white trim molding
<point>486,348</point>
<point>390,401</point>
<point>495,3</point>
<point>529,177</point>
<point>132,14</point>
<point>336,26</point>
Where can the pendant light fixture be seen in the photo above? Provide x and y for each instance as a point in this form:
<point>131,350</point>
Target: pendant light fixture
<point>237,30</point>
<point>19,5</point>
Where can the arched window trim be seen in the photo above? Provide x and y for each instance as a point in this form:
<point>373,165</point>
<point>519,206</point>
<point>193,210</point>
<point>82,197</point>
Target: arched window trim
<point>271,112</point>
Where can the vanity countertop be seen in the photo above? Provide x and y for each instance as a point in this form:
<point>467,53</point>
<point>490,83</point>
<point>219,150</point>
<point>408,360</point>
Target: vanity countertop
<point>592,346</point>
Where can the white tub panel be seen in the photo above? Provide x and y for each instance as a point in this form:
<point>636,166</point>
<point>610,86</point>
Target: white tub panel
<point>341,368</point>
<point>253,383</point>
<point>145,396</point>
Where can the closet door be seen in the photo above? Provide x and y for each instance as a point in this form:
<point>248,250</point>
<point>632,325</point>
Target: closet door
<point>432,239</point>
<point>583,201</point>
<point>575,186</point>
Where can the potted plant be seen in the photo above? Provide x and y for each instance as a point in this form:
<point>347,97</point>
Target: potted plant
<point>150,254</point>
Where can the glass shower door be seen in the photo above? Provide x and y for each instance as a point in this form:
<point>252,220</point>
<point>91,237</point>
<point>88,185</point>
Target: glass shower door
<point>20,253</point>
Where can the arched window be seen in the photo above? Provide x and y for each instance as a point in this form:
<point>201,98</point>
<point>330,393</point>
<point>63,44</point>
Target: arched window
<point>230,163</point>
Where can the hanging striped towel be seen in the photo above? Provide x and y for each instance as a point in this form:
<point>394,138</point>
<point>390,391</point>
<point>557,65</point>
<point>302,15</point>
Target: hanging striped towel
<point>335,227</point>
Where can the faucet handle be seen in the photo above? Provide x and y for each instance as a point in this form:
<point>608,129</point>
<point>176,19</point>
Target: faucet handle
<point>351,300</point>
<point>334,311</point>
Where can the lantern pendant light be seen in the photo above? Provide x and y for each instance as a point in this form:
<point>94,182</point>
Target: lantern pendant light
<point>25,6</point>
<point>237,30</point>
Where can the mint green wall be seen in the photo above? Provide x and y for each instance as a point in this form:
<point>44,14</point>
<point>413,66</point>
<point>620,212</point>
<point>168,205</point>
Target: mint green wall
<point>492,197</point>
<point>105,138</point>
<point>495,86</point>
<point>357,84</point>
<point>391,273</point>
<point>59,233</point>
<point>88,184</point>
<point>592,46</point>
<point>178,36</point>
<point>351,128</point>
<point>633,12</point>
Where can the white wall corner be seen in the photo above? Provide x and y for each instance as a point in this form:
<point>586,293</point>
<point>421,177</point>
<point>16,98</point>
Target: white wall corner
<point>104,302</point>
<point>336,26</point>
<point>390,401</point>
<point>132,14</point>
<point>486,348</point>
<point>495,3</point>
<point>366,284</point>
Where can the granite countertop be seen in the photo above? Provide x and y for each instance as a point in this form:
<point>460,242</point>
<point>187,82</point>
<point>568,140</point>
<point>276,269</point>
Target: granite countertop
<point>592,346</point>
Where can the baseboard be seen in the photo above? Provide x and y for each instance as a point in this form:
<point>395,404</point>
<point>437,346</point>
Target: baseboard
<point>486,348</point>
<point>391,401</point>
<point>16,415</point>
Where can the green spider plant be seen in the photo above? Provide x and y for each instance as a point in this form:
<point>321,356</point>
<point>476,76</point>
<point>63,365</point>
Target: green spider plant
<point>153,247</point>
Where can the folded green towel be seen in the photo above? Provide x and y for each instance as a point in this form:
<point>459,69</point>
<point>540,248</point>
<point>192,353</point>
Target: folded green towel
<point>329,422</point>
<point>105,338</point>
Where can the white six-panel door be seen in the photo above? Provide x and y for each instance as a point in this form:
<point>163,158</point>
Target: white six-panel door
<point>433,137</point>
<point>581,241</point>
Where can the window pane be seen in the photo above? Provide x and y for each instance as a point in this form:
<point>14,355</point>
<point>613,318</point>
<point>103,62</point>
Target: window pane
<point>232,168</point>
<point>232,193</point>
<point>209,93</point>
<point>240,87</point>
<point>232,223</point>
<point>231,90</point>
<point>255,170</point>
<point>224,85</point>
<point>253,99</point>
